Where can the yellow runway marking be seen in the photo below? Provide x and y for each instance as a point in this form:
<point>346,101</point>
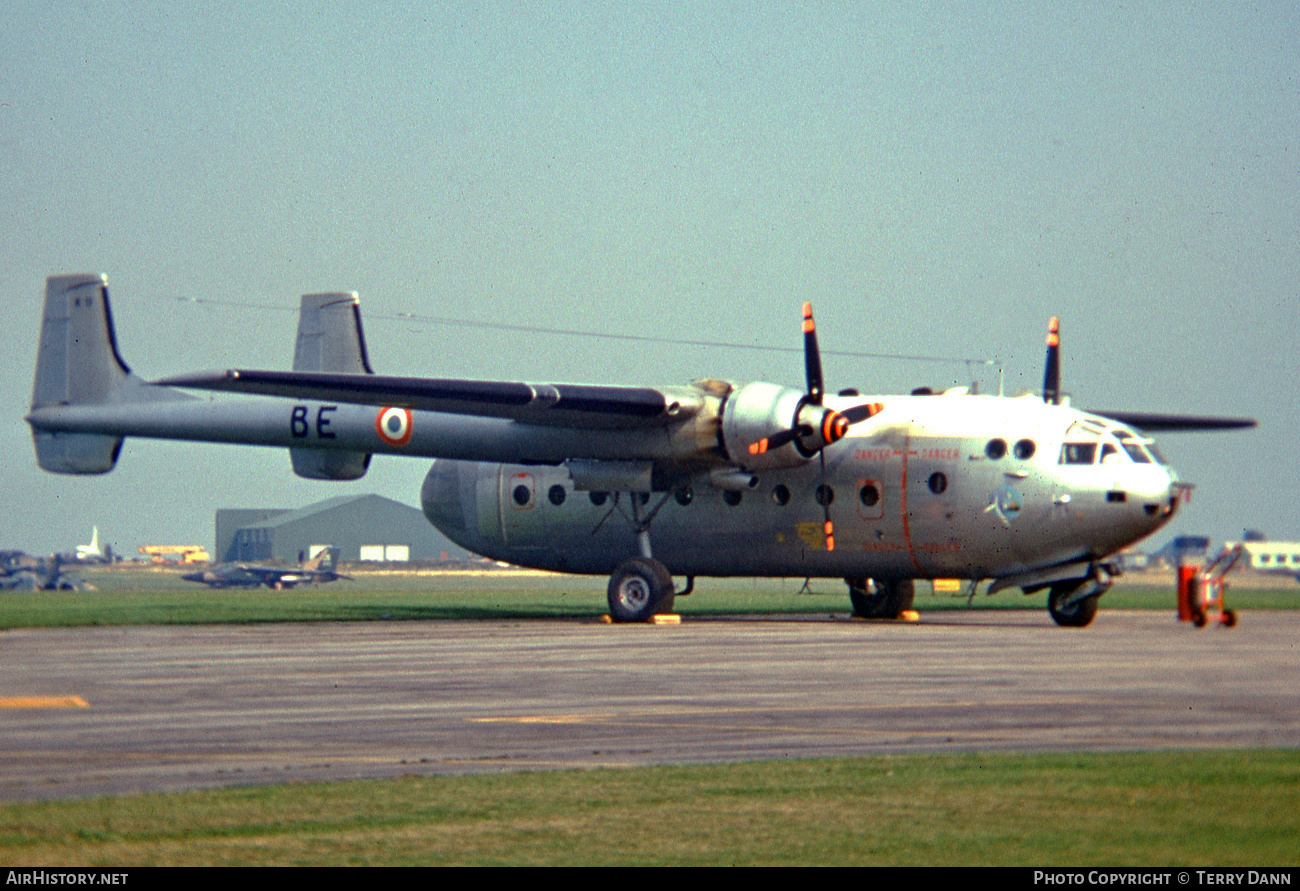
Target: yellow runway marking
<point>43,702</point>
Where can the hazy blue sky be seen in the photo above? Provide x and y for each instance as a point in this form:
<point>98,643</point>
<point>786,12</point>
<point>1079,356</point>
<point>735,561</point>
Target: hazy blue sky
<point>937,178</point>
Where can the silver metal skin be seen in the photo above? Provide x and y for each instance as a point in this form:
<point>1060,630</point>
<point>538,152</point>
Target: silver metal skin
<point>709,479</point>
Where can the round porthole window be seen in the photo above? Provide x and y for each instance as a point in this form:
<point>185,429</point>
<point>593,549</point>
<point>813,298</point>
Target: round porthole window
<point>996,449</point>
<point>556,494</point>
<point>1025,449</point>
<point>938,483</point>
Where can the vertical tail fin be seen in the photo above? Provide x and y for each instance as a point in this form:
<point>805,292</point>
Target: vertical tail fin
<point>329,335</point>
<point>330,339</point>
<point>77,363</point>
<point>327,560</point>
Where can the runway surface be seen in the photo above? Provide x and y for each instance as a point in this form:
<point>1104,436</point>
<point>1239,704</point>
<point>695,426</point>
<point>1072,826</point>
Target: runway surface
<point>113,710</point>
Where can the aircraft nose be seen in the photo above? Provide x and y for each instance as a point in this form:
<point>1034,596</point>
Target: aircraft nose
<point>1166,492</point>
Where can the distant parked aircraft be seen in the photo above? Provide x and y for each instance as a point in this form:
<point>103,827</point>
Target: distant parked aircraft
<point>93,552</point>
<point>318,569</point>
<point>22,572</point>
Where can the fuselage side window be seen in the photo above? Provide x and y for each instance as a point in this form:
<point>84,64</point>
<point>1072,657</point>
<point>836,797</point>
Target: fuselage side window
<point>1078,452</point>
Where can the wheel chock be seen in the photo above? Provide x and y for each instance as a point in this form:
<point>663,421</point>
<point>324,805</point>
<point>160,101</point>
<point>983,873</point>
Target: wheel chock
<point>909,616</point>
<point>657,619</point>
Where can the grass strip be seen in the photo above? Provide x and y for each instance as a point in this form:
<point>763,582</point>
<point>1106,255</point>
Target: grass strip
<point>1217,808</point>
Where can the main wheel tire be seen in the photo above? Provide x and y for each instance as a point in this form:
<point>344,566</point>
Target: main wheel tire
<point>638,589</point>
<point>1075,615</point>
<point>892,597</point>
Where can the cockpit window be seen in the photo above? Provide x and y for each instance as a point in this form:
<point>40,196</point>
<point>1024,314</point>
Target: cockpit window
<point>1078,452</point>
<point>1136,452</point>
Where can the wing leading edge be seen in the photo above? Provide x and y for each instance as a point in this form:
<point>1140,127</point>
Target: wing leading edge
<point>1154,422</point>
<point>560,405</point>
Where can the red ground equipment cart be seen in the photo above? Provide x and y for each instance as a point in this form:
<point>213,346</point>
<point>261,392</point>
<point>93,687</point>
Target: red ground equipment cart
<point>1200,592</point>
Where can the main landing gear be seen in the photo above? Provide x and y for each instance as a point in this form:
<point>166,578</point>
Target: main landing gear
<point>642,587</point>
<point>881,598</point>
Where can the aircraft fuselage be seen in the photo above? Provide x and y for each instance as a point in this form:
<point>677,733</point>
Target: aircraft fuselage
<point>936,486</point>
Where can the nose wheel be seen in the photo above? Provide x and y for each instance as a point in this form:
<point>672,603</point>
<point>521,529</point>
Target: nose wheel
<point>640,588</point>
<point>1074,604</point>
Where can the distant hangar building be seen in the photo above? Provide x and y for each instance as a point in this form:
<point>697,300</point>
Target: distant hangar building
<point>363,527</point>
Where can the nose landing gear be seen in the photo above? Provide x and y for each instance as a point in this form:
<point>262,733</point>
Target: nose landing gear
<point>1073,604</point>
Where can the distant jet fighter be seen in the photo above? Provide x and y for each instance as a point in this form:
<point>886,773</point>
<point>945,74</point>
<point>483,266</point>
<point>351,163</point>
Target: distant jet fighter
<point>319,569</point>
<point>20,572</point>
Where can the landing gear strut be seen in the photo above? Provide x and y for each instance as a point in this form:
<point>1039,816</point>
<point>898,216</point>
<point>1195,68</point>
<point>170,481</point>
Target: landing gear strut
<point>881,598</point>
<point>641,586</point>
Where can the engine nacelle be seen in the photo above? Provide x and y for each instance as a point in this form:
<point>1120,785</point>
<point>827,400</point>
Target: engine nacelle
<point>755,414</point>
<point>767,425</point>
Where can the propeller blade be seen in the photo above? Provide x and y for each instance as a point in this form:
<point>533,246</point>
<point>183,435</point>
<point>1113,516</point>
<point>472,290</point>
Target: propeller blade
<point>1052,373</point>
<point>828,527</point>
<point>812,357</point>
<point>773,442</point>
<point>862,412</point>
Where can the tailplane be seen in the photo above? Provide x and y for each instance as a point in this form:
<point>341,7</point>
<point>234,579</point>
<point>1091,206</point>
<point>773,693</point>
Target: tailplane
<point>79,367</point>
<point>77,363</point>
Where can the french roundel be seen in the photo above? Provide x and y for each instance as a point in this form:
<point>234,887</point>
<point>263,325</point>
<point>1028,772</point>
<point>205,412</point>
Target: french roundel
<point>394,425</point>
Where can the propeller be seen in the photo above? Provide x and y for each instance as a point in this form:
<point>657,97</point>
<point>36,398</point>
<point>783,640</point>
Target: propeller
<point>815,427</point>
<point>1052,372</point>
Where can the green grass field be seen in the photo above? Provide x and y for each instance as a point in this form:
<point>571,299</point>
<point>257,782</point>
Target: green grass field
<point>130,596</point>
<point>1180,809</point>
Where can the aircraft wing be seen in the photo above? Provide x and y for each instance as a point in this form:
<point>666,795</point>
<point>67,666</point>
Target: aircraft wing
<point>1153,421</point>
<point>560,405</point>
